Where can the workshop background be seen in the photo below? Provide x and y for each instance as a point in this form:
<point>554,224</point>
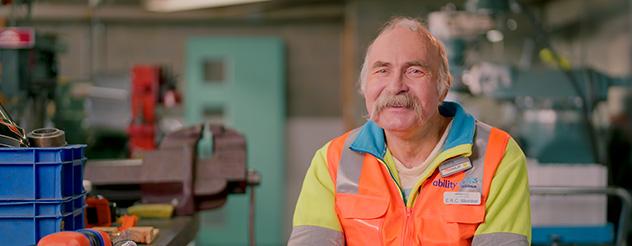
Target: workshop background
<point>121,76</point>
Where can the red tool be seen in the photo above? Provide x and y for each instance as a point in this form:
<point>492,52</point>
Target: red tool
<point>98,212</point>
<point>86,237</point>
<point>127,221</point>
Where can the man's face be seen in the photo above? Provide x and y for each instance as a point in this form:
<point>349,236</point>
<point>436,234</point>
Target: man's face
<point>401,81</point>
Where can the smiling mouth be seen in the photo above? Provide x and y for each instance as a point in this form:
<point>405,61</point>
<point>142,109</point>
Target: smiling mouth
<point>397,106</point>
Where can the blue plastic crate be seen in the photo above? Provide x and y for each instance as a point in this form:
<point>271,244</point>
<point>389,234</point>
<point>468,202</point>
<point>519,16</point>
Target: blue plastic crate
<point>42,207</point>
<point>41,173</point>
<point>18,230</point>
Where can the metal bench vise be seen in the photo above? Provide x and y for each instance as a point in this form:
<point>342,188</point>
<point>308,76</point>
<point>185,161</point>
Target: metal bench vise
<point>174,174</point>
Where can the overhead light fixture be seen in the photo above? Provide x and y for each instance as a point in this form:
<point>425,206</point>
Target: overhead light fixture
<point>180,5</point>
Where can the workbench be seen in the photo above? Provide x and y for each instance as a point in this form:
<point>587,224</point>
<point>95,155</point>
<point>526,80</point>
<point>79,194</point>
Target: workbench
<point>177,231</point>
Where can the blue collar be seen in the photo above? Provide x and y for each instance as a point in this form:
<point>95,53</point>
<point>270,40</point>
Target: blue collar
<point>371,138</point>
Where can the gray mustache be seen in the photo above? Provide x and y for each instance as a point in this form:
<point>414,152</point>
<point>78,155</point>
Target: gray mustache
<point>406,100</point>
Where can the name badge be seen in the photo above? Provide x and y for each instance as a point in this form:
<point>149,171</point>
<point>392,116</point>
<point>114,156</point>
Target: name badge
<point>466,198</point>
<point>454,165</point>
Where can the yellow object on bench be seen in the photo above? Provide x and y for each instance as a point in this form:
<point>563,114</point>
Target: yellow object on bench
<point>159,211</point>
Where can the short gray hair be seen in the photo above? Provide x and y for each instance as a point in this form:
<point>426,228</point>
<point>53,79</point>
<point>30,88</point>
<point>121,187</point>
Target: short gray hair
<point>445,79</point>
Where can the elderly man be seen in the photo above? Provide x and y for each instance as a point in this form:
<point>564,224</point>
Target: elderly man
<point>420,171</point>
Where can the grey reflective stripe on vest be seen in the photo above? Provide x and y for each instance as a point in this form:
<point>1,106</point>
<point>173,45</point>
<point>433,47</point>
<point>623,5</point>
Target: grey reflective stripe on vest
<point>474,176</point>
<point>349,167</point>
<point>500,239</point>
<point>315,235</point>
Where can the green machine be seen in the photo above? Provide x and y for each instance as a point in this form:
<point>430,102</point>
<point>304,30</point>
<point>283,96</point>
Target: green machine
<point>28,75</point>
<point>550,126</point>
<point>28,67</point>
<point>241,83</point>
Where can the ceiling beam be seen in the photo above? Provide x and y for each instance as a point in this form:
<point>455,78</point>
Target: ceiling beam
<point>48,12</point>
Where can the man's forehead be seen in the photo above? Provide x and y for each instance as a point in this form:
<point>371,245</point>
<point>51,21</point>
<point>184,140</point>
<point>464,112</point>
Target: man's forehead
<point>402,39</point>
<point>402,35</point>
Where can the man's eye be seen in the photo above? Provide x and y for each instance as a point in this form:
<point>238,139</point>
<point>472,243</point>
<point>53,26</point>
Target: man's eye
<point>416,72</point>
<point>383,70</point>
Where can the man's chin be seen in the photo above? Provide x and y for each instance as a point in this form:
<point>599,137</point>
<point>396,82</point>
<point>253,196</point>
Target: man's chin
<point>397,128</point>
<point>396,124</point>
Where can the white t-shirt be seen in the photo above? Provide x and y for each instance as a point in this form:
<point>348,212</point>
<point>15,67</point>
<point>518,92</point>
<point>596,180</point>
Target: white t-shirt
<point>409,176</point>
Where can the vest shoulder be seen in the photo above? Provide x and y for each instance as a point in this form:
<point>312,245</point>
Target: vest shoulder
<point>486,128</point>
<point>345,135</point>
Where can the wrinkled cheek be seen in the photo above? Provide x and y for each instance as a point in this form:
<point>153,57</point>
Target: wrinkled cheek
<point>427,109</point>
<point>370,107</point>
<point>375,115</point>
<point>421,114</point>
<point>372,110</point>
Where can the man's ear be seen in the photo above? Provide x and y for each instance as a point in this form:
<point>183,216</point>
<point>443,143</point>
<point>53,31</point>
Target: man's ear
<point>447,88</point>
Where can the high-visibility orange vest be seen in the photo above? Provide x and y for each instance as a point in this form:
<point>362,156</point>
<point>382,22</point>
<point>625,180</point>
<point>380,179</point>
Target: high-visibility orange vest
<point>371,209</point>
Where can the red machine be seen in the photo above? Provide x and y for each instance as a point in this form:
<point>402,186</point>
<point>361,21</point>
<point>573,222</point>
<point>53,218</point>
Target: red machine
<point>151,86</point>
<point>145,84</point>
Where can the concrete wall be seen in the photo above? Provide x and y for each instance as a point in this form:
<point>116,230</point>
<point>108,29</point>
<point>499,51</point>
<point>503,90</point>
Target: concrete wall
<point>313,55</point>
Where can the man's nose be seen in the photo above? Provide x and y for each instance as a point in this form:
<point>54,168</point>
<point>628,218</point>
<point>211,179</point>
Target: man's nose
<point>396,84</point>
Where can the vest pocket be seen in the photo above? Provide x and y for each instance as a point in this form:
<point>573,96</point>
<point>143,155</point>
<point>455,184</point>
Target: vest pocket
<point>361,217</point>
<point>451,225</point>
<point>465,214</point>
<point>465,218</point>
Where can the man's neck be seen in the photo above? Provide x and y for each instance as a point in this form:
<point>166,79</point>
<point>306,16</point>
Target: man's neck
<point>412,148</point>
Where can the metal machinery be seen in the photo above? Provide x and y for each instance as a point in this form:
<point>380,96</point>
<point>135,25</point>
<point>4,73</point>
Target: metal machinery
<point>550,123</point>
<point>173,173</point>
<point>29,69</point>
<point>570,97</point>
<point>548,110</point>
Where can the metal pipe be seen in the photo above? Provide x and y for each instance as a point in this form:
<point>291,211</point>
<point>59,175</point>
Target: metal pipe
<point>630,34</point>
<point>623,194</point>
<point>93,39</point>
<point>253,180</point>
<point>251,218</point>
